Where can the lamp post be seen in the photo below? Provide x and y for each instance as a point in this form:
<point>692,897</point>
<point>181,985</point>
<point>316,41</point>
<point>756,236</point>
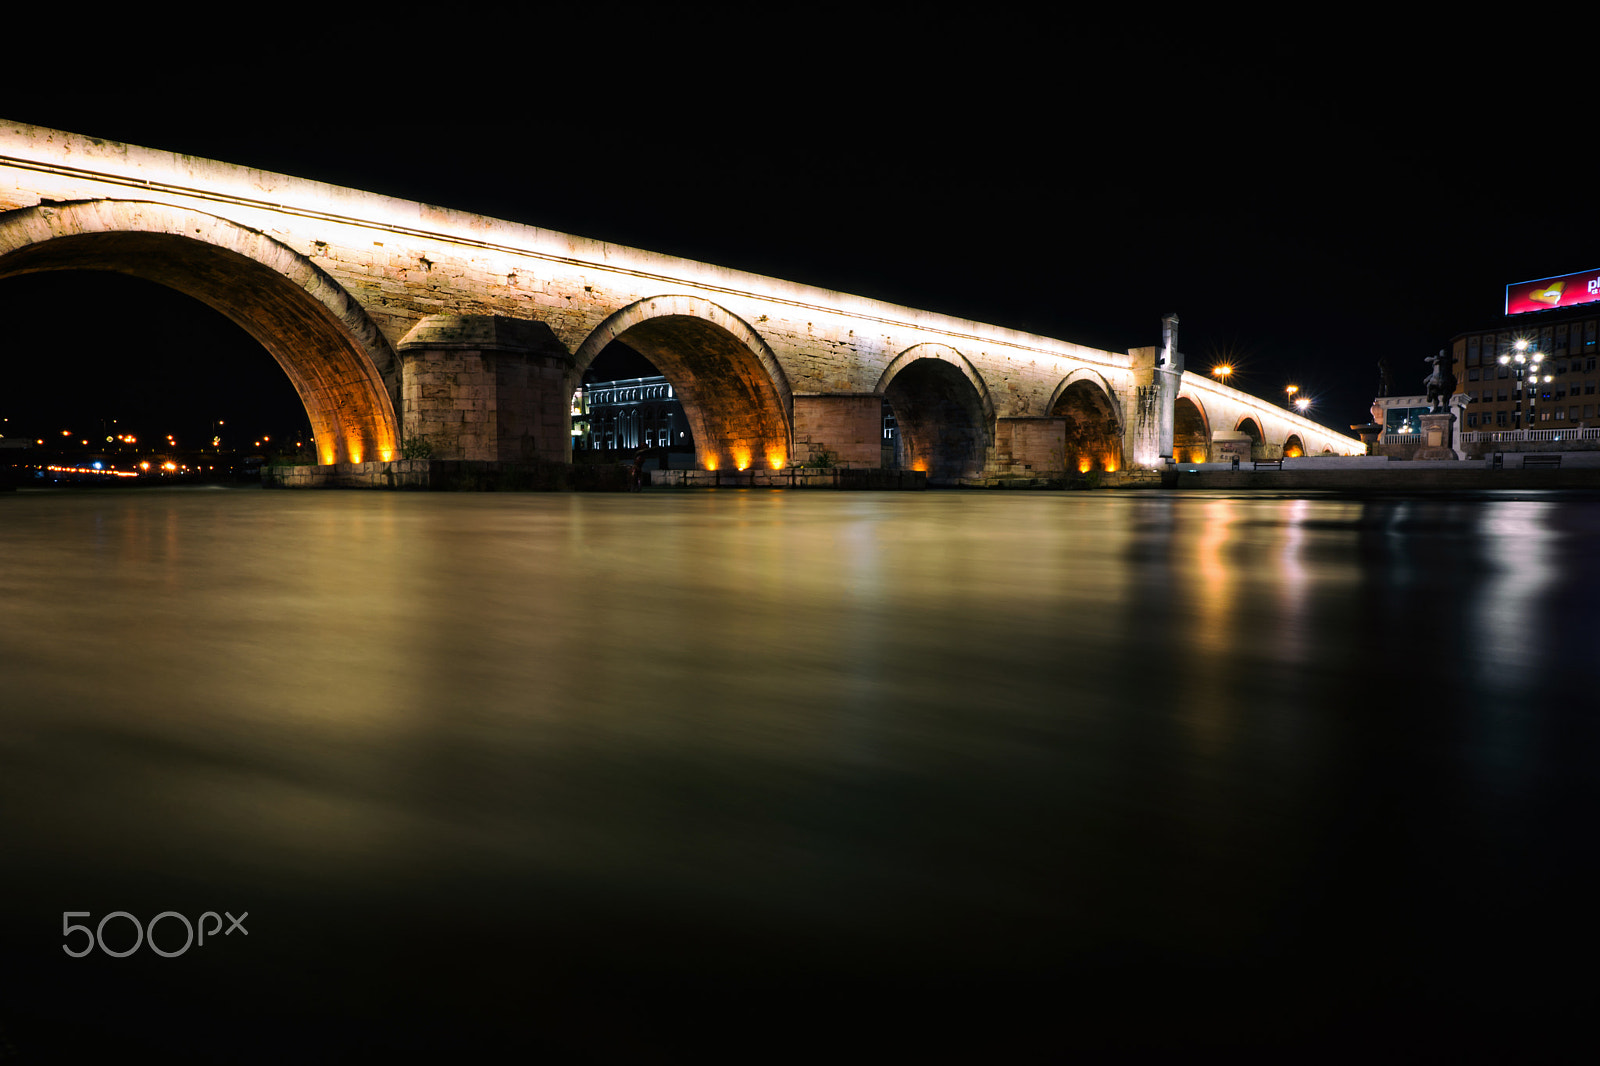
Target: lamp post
<point>1526,360</point>
<point>1290,390</point>
<point>1221,371</point>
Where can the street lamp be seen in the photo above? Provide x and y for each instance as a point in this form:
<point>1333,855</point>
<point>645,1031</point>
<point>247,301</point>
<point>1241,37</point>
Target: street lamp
<point>1527,360</point>
<point>1222,370</point>
<point>1291,390</point>
<point>1302,404</point>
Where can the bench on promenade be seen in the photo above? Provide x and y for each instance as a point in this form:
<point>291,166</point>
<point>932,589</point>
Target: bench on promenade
<point>1259,463</point>
<point>1533,462</point>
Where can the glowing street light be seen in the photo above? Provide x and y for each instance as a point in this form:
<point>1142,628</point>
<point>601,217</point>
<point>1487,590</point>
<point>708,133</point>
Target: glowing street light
<point>1291,390</point>
<point>1302,404</point>
<point>1527,360</point>
<point>1222,370</point>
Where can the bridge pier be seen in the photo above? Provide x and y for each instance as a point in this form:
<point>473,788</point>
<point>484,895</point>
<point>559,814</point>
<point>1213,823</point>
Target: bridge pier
<point>486,387</point>
<point>1036,445</point>
<point>847,426</point>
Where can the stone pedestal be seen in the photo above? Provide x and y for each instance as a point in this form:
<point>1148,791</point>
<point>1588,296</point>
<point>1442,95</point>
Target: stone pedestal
<point>848,427</point>
<point>1435,436</point>
<point>484,387</point>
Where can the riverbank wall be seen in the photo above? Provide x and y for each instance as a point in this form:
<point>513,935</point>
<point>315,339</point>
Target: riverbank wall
<point>1576,470</point>
<point>798,477</point>
<point>451,475</point>
<point>1354,474</point>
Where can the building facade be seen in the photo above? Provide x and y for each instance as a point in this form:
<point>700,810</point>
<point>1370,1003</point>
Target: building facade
<point>629,414</point>
<point>1400,417</point>
<point>1531,385</point>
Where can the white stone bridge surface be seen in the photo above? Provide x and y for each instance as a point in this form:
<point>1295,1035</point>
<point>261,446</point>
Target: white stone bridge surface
<point>397,319</point>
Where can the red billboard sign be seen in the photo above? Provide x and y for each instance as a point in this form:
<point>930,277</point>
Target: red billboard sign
<point>1547,294</point>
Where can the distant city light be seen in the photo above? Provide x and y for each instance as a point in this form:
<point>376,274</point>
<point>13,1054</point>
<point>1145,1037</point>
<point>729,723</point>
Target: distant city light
<point>90,470</point>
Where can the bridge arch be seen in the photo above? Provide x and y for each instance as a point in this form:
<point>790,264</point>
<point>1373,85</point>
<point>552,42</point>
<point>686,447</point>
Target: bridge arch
<point>343,369</point>
<point>733,389</point>
<point>1293,446</point>
<point>1094,424</point>
<point>1252,429</point>
<point>943,411</point>
<point>1191,430</point>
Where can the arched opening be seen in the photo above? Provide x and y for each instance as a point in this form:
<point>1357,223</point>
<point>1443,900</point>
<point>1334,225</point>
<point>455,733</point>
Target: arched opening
<point>109,373</point>
<point>1249,427</point>
<point>943,424</point>
<point>1093,431</point>
<point>624,404</point>
<point>735,404</point>
<point>1294,447</point>
<point>1191,440</point>
<point>343,371</point>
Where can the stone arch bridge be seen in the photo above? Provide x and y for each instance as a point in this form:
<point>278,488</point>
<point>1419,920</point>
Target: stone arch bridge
<point>397,319</point>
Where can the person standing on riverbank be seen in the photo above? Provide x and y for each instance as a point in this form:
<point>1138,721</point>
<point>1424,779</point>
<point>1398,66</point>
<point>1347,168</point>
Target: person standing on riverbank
<point>636,474</point>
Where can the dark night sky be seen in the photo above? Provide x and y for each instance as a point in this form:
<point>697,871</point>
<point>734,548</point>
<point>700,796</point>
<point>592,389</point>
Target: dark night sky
<point>1304,217</point>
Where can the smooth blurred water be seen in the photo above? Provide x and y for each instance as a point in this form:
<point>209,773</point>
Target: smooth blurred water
<point>666,777</point>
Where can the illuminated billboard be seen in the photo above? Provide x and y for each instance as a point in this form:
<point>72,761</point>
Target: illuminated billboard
<point>1547,294</point>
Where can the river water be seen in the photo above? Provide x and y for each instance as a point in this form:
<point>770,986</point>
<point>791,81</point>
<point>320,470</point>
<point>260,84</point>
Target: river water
<point>679,776</point>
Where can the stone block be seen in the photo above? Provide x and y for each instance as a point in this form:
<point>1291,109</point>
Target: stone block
<point>848,428</point>
<point>1036,445</point>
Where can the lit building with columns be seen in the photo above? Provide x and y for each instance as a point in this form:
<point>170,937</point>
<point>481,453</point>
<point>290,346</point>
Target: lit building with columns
<point>629,414</point>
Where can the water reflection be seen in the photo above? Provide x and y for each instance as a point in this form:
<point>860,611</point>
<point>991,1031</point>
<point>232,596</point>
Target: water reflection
<point>1506,628</point>
<point>1057,759</point>
<point>1211,646</point>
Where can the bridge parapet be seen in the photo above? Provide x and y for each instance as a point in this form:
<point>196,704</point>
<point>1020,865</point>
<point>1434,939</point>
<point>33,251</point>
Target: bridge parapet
<point>1223,410</point>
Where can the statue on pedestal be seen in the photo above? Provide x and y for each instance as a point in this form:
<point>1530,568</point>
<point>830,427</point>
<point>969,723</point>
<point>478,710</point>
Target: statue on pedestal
<point>1436,437</point>
<point>1438,384</point>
